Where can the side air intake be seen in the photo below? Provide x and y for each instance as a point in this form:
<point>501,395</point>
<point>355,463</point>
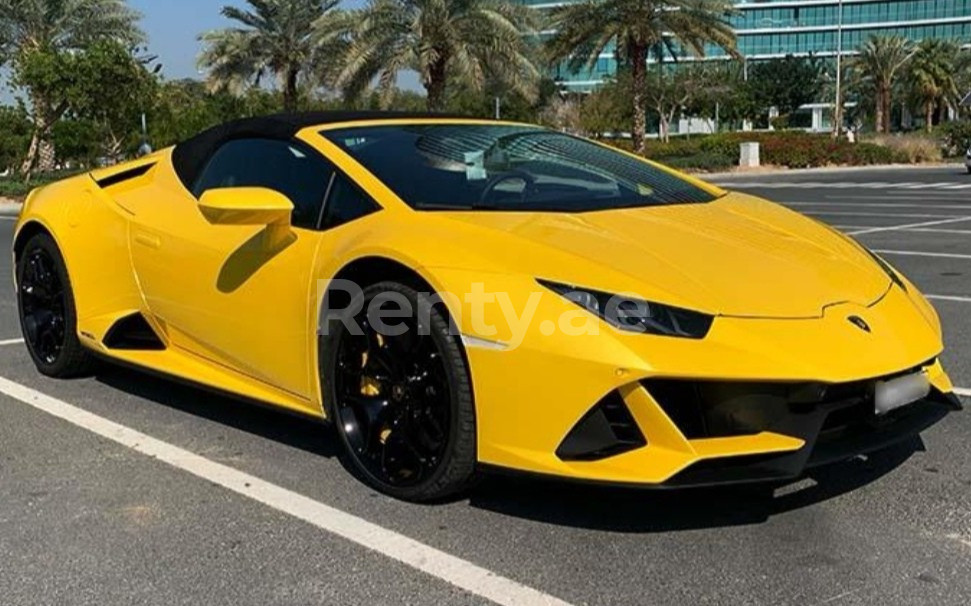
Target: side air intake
<point>133,333</point>
<point>607,430</point>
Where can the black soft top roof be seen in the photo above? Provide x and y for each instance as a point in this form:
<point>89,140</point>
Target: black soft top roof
<point>189,157</point>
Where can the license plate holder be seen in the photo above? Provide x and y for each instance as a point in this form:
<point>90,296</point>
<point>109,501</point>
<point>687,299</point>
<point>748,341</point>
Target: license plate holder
<point>900,391</point>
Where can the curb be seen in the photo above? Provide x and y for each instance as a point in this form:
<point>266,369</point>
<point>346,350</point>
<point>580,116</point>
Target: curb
<point>10,210</point>
<point>772,172</point>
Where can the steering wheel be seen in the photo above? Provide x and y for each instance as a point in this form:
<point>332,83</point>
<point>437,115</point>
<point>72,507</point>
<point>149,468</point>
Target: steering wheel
<point>509,175</point>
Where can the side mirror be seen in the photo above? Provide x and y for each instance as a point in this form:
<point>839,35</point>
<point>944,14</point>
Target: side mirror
<point>246,206</point>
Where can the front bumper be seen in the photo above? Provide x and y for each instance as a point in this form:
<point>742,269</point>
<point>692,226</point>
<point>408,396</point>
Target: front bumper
<point>684,433</point>
<point>831,433</point>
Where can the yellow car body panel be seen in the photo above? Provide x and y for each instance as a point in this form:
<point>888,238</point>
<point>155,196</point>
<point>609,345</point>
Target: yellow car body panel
<point>240,315</point>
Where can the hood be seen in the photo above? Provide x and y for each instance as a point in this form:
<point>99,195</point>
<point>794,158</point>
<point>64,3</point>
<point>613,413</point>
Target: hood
<point>737,256</point>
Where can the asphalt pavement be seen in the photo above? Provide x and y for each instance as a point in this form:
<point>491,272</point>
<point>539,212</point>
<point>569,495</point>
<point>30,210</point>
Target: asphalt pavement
<point>89,518</point>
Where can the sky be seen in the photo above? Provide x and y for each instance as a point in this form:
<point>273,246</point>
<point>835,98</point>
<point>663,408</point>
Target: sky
<point>173,28</point>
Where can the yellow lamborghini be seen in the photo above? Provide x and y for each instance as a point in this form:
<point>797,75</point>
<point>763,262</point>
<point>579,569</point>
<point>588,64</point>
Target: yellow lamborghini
<point>455,294</point>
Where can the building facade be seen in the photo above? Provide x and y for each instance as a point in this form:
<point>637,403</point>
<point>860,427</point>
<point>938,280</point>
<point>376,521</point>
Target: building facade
<point>770,29</point>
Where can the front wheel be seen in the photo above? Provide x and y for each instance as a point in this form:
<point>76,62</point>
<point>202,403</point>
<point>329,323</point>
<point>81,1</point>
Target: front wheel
<point>399,394</point>
<point>48,317</point>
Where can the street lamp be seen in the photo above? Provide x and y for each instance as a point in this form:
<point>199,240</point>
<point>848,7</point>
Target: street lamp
<point>838,110</point>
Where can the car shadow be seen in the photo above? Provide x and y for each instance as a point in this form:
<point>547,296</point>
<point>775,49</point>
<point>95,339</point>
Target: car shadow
<point>251,417</point>
<point>633,510</point>
<point>551,501</point>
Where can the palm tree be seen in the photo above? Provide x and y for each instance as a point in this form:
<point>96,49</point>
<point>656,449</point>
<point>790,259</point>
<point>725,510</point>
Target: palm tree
<point>932,79</point>
<point>638,27</point>
<point>467,41</point>
<point>879,61</point>
<point>31,27</point>
<point>276,37</point>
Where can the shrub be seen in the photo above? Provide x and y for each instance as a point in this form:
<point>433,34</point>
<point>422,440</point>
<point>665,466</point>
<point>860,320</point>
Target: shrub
<point>911,148</point>
<point>704,161</point>
<point>14,187</point>
<point>956,135</point>
<point>792,149</point>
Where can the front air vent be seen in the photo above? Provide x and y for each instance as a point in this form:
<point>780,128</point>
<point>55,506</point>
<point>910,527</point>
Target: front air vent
<point>133,333</point>
<point>607,430</point>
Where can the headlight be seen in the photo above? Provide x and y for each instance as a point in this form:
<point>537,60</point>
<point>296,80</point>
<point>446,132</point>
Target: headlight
<point>636,315</point>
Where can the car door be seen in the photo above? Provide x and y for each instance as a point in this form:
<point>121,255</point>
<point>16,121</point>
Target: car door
<point>218,291</point>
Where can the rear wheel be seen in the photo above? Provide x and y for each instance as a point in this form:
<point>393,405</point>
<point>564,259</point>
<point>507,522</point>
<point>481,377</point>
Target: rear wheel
<point>48,317</point>
<point>401,399</point>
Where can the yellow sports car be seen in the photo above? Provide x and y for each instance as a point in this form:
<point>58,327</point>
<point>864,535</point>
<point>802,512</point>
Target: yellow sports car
<point>455,294</point>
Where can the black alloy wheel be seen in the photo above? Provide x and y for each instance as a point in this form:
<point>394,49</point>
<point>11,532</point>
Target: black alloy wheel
<point>401,401</point>
<point>47,313</point>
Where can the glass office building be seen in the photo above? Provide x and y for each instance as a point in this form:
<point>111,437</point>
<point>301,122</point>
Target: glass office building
<point>775,28</point>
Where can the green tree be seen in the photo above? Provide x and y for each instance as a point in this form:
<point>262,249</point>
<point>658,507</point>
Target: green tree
<point>466,42</point>
<point>638,27</point>
<point>786,84</point>
<point>184,108</point>
<point>76,141</point>
<point>15,132</point>
<point>727,97</point>
<point>51,28</point>
<point>103,84</point>
<point>674,90</point>
<point>607,109</point>
<point>932,78</point>
<point>114,88</point>
<point>514,106</point>
<point>277,37</point>
<point>876,67</point>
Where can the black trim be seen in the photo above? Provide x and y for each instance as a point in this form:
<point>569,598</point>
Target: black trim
<point>190,157</point>
<point>322,224</point>
<point>900,425</point>
<point>607,430</point>
<point>212,389</point>
<point>826,443</point>
<point>125,175</point>
<point>133,333</point>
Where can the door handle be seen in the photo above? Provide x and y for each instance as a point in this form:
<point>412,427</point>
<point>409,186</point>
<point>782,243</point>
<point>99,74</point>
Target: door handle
<point>149,240</point>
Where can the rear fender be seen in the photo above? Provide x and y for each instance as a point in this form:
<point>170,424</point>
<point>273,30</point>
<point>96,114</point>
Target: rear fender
<point>91,231</point>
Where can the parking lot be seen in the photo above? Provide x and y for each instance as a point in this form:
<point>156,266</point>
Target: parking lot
<point>193,498</point>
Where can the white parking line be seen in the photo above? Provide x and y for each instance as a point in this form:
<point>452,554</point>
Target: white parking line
<point>11,342</point>
<point>874,230</point>
<point>461,573</point>
<point>932,230</point>
<point>883,205</point>
<point>963,391</point>
<point>885,215</point>
<point>918,253</point>
<point>928,230</point>
<point>948,298</point>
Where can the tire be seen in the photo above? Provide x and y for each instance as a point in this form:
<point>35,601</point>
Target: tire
<point>53,343</point>
<point>374,415</point>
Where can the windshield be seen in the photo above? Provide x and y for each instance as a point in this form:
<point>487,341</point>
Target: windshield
<point>482,166</point>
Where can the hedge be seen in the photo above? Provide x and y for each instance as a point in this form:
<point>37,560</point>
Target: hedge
<point>793,149</point>
<point>14,187</point>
